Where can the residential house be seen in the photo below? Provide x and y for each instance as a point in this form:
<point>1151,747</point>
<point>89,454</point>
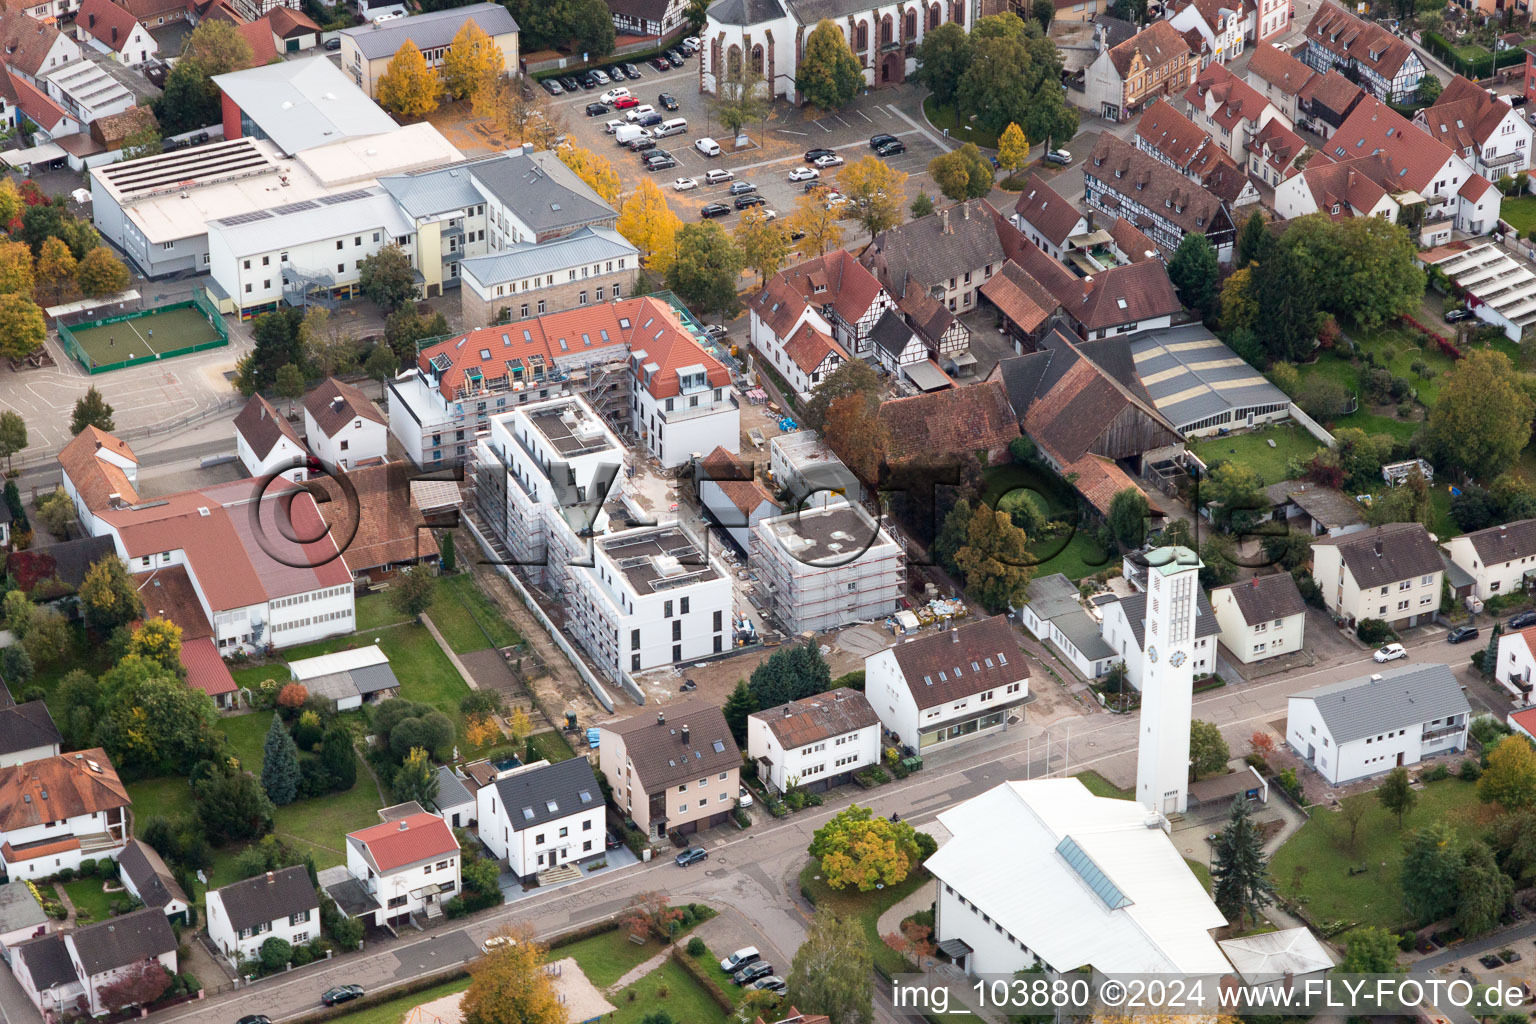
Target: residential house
<point>843,293</point>
<point>1131,244</point>
<point>21,918</point>
<point>291,29</point>
<point>1517,662</point>
<point>1123,625</point>
<point>454,802</point>
<point>1260,618</point>
<point>1522,723</point>
<point>678,772</point>
<point>1501,559</point>
<point>57,811</point>
<point>949,685</point>
<point>794,337</point>
<point>1224,25</point>
<point>1326,103</point>
<point>155,13</point>
<point>1119,301</point>
<point>45,973</point>
<point>85,91</point>
<point>1349,188</point>
<point>113,130</point>
<point>145,875</point>
<point>951,253</point>
<point>168,593</point>
<point>827,567</point>
<point>1177,141</point>
<point>1109,889</point>
<point>735,499</point>
<point>897,345</point>
<point>1384,63</point>
<point>1054,614</point>
<point>1367,726</point>
<point>407,866</point>
<point>1230,109</point>
<point>1272,19</point>
<point>944,425</point>
<point>367,49</point>
<point>1045,218</point>
<point>280,904</point>
<point>943,334</point>
<point>646,17</point>
<point>1489,134</point>
<point>34,48</point>
<point>1025,304</point>
<point>27,733</point>
<point>1122,181</point>
<point>101,953</point>
<point>805,469</point>
<point>1280,77</point>
<point>1157,61</point>
<point>1275,153</point>
<point>110,29</point>
<point>815,743</point>
<point>344,427</point>
<point>1391,573</point>
<point>97,468</point>
<point>267,444</point>
<point>542,816</point>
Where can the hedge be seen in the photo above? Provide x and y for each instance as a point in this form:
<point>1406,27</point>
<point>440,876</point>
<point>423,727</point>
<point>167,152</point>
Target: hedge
<point>1482,67</point>
<point>707,983</point>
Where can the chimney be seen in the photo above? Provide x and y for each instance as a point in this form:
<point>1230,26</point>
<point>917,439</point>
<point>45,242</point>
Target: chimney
<point>685,735</point>
<point>661,718</point>
<point>954,634</point>
<point>1254,583</point>
<point>965,211</point>
<point>337,402</point>
<point>271,878</point>
<point>944,220</point>
<point>403,826</point>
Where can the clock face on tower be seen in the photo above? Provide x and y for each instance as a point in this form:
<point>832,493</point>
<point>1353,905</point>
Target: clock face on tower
<point>1152,654</point>
<point>1176,658</point>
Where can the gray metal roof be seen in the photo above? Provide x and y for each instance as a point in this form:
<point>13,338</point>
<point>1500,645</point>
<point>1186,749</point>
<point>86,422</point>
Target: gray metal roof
<point>312,220</point>
<point>545,194</point>
<point>1404,697</point>
<point>450,791</point>
<point>433,192</point>
<point>1054,599</point>
<point>353,682</point>
<point>427,31</point>
<point>1080,628</point>
<point>529,259</point>
<point>1192,376</point>
<point>301,104</point>
<point>538,795</point>
<point>1458,577</point>
<point>745,12</point>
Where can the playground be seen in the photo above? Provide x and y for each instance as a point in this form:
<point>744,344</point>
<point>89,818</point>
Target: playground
<point>133,338</point>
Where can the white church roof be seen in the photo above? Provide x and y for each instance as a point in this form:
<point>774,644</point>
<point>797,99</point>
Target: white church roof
<point>1080,879</point>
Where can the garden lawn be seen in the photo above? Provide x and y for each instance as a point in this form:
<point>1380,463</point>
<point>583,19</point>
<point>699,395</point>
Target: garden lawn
<point>607,957</point>
<point>90,901</point>
<point>393,1011</point>
<point>997,481</point>
<point>1201,872</point>
<point>1253,450</point>
<point>1313,865</point>
<point>1076,557</point>
<point>375,612</point>
<point>1098,785</point>
<point>1520,212</point>
<point>685,998</point>
<point>866,907</point>
<point>942,117</point>
<point>1081,556</point>
<point>1393,343</point>
<point>467,618</point>
<point>551,746</point>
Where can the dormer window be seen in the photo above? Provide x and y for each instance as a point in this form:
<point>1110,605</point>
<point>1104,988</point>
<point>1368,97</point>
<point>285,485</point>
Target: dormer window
<point>1335,208</point>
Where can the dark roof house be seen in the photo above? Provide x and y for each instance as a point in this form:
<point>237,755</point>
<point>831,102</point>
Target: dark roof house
<point>535,796</point>
<point>123,940</point>
<point>268,897</point>
<point>1265,598</point>
<point>1386,554</point>
<point>683,741</point>
<point>153,881</point>
<point>927,663</point>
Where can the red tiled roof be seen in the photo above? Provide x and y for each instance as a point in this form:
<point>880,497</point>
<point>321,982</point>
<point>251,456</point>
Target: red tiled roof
<point>168,594</point>
<point>1475,187</point>
<point>396,844</point>
<point>26,42</point>
<point>259,35</point>
<point>1158,44</point>
<point>1276,144</point>
<point>1355,185</point>
<point>1333,91</point>
<point>1225,98</point>
<point>144,10</point>
<point>1098,480</point>
<point>32,851</point>
<point>668,348</point>
<point>287,22</point>
<point>387,526</point>
<point>1132,242</point>
<point>1525,719</point>
<point>1464,115</point>
<point>1043,208</point>
<point>948,423</point>
<point>1185,144</point>
<point>810,346</point>
<point>838,279</point>
<point>1280,69</point>
<point>736,480</point>
<point>1345,35</point>
<point>1020,297</point>
<point>94,477</point>
<point>778,305</point>
<point>1412,157</point>
<point>59,787</point>
<point>206,670</point>
<point>336,403</point>
<point>99,18</point>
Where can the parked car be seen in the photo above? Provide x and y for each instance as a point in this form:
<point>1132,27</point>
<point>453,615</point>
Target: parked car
<point>741,188</point>
<point>707,146</point>
<point>876,141</point>
<point>335,44</point>
<point>743,956</point>
<point>611,841</point>
<point>1391,652</point>
<point>690,44</point>
<point>342,994</point>
<point>746,202</point>
<point>675,57</point>
<point>631,72</point>
<point>892,148</point>
<point>596,109</point>
<point>667,101</point>
<point>1517,100</point>
<point>1461,634</point>
<point>829,160</point>
<point>599,75</point>
<point>647,120</point>
<point>751,972</point>
<point>812,155</point>
<point>716,332</point>
<point>661,63</point>
<point>641,144</point>
<point>1058,156</point>
<point>570,83</point>
<point>1520,621</point>
<point>684,185</point>
<point>610,127</point>
<point>553,87</point>
<point>625,102</point>
<point>496,942</point>
<point>616,73</point>
<point>773,983</point>
<point>804,174</point>
<point>638,112</point>
<point>712,210</point>
<point>744,798</point>
<point>692,855</point>
<point>588,80</point>
<point>613,94</point>
<point>716,175</point>
<point>254,1018</point>
<point>1457,315</point>
<point>660,162</point>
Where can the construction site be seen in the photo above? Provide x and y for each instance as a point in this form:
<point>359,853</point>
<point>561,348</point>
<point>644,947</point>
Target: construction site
<point>827,567</point>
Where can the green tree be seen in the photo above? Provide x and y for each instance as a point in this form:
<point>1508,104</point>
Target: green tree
<point>13,435</point>
<point>1239,869</point>
<point>1283,288</point>
<point>1361,271</point>
<point>1194,273</point>
<point>1042,11</point>
<point>952,535</point>
<point>280,765</point>
<point>405,329</point>
<point>417,779</point>
<point>289,382</point>
<point>1509,780</point>
<point>276,345</point>
<point>832,972</point>
<point>1208,751</point>
<point>1396,794</point>
<point>1482,419</point>
<point>995,560</point>
<point>962,173</point>
<point>1128,514</point>
<point>705,270</point>
<point>381,363</point>
<point>1233,493</point>
<point>158,640</point>
<point>413,591</point>
<point>108,597</point>
<point>1432,862</point>
<point>22,328</point>
<point>339,758</point>
<point>1408,502</point>
<point>854,377</point>
<point>144,142</point>
<point>790,673</point>
<point>942,57</point>
<point>16,666</point>
<point>1253,240</point>
<point>191,99</point>
<point>447,559</point>
<point>1370,950</point>
<point>387,279</point>
<point>1289,550</point>
<point>740,99</point>
<point>738,707</point>
<point>1482,890</point>
<point>858,849</point>
<point>922,205</point>
<point>1429,89</point>
<point>830,75</point>
<point>100,273</point>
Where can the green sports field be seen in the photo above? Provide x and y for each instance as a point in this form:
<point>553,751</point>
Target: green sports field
<point>166,331</point>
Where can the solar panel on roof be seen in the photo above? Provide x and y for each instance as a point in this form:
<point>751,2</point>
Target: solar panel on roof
<point>246,218</point>
<point>298,207</point>
<point>1090,873</point>
<point>345,197</point>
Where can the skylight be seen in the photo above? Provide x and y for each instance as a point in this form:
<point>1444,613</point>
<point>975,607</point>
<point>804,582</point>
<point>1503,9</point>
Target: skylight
<point>527,813</point>
<point>1090,873</point>
<point>586,796</point>
<point>719,746</point>
<point>552,806</point>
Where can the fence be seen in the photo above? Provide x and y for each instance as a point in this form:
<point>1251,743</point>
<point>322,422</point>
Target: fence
<point>1311,425</point>
<point>198,301</point>
<point>641,49</point>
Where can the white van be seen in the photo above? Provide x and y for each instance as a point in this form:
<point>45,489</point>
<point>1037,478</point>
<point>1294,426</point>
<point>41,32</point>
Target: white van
<point>709,147</point>
<point>629,133</point>
<point>740,958</point>
<point>676,126</point>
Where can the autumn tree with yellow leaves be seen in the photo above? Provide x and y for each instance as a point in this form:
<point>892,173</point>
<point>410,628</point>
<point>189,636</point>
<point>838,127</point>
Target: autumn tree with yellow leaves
<point>510,984</point>
<point>16,276</point>
<point>650,226</point>
<point>472,62</point>
<point>816,219</point>
<point>764,243</point>
<point>1012,149</point>
<point>595,170</point>
<point>859,850</point>
<point>408,88</point>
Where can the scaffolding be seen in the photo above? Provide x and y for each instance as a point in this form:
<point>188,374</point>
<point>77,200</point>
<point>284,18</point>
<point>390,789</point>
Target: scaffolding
<point>827,568</point>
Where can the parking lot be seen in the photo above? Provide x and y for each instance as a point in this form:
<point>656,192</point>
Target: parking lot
<point>777,144</point>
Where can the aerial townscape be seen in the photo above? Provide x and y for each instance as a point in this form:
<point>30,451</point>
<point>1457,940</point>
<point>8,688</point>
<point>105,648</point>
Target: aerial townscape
<point>756,511</point>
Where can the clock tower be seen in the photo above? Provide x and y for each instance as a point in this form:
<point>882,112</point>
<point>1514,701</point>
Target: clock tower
<point>1167,680</point>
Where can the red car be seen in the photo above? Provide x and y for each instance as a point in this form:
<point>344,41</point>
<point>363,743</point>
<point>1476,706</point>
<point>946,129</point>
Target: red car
<point>625,102</point>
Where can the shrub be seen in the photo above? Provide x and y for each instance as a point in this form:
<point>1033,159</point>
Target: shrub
<point>303,955</point>
<point>66,875</point>
<point>1287,781</point>
<point>1470,770</point>
<point>1405,410</point>
<point>1437,772</point>
<point>455,909</point>
<point>87,868</point>
<point>190,983</point>
<point>742,817</point>
<point>1373,631</point>
<point>275,954</point>
<point>696,947</point>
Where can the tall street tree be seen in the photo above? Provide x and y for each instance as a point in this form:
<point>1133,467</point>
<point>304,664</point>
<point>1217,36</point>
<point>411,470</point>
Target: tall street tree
<point>962,173</point>
<point>941,60</point>
<point>706,268</point>
<point>874,190</point>
<point>817,220</point>
<point>995,559</point>
<point>830,75</point>
<point>1239,869</point>
<point>13,435</point>
<point>91,410</point>
<point>1283,289</point>
<point>833,971</point>
<point>650,226</point>
<point>1194,271</point>
<point>764,244</point>
<point>22,327</point>
<point>473,60</point>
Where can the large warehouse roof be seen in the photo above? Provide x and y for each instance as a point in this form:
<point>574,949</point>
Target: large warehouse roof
<point>1192,376</point>
<point>301,104</point>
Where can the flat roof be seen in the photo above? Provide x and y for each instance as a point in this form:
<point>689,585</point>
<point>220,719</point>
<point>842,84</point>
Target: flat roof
<point>89,85</point>
<point>1192,376</point>
<point>338,661</point>
<point>310,220</point>
<point>429,30</point>
<point>573,429</point>
<point>301,104</point>
<point>835,535</point>
<point>653,560</point>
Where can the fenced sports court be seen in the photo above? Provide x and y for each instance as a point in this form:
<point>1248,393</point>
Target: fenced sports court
<point>142,336</point>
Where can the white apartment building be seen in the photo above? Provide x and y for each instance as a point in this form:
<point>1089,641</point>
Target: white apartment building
<point>1517,662</point>
<point>267,444</point>
<point>803,464</point>
<point>1260,618</point>
<point>682,398</point>
<point>1489,134</point>
<point>949,685</point>
<point>815,743</point>
<point>1500,559</point>
<point>343,426</point>
<point>1391,573</point>
<point>1225,27</point>
<point>57,811</point>
<point>407,865</point>
<point>540,816</point>
<point>827,567</point>
<point>279,904</point>
<point>1368,726</point>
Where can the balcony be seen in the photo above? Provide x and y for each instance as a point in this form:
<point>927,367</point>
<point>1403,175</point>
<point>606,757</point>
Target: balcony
<point>1435,735</point>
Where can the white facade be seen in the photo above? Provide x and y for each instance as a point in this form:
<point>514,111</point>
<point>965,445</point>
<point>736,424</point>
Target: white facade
<point>285,459</point>
<point>827,567</point>
<point>1167,674</point>
<point>737,522</point>
<point>549,842</point>
<point>805,466</point>
<point>1400,602</point>
<point>419,887</point>
<point>839,753</point>
<point>1120,634</point>
<point>101,834</point>
<point>245,944</point>
<point>1516,664</point>
<point>88,519</point>
<point>1341,760</point>
<point>139,48</point>
<point>1226,38</point>
<point>1493,579</point>
<point>777,349</point>
<point>94,983</point>
<point>692,422</point>
<point>48,999</point>
<point>1258,641</point>
<point>357,440</point>
<point>86,91</point>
